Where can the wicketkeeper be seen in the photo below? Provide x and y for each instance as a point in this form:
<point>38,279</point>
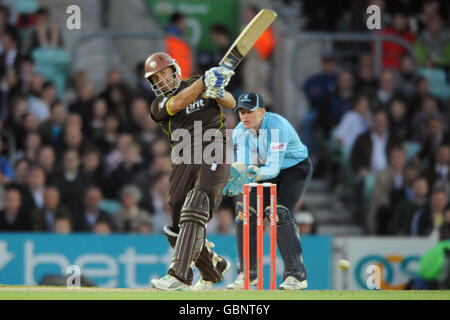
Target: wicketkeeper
<point>268,149</point>
<point>195,190</point>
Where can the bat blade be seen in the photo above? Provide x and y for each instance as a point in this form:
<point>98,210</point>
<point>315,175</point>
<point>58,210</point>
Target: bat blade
<point>245,41</point>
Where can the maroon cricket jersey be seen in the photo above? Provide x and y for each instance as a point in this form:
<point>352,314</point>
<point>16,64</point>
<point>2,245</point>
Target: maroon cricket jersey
<point>207,111</point>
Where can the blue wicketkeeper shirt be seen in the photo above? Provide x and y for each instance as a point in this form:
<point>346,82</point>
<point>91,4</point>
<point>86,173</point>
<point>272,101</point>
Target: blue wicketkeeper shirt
<point>276,147</point>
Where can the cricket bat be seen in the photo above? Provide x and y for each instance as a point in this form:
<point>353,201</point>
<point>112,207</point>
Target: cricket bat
<point>245,41</point>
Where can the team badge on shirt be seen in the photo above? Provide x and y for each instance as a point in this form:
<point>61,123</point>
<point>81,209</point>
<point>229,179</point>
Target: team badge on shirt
<point>278,146</point>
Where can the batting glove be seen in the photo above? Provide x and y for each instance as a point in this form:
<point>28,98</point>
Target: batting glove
<point>217,77</point>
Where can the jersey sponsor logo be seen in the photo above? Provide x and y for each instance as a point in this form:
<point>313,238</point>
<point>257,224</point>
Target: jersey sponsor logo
<point>195,106</point>
<point>278,146</point>
<point>161,104</point>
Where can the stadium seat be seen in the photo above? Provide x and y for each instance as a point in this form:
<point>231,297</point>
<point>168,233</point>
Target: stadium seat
<point>110,206</point>
<point>412,148</point>
<point>52,64</point>
<point>439,86</point>
<point>26,6</point>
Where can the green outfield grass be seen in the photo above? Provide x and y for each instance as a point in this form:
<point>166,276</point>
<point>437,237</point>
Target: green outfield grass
<point>59,293</point>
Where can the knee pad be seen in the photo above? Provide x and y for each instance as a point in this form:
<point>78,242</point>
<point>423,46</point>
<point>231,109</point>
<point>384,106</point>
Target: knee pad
<point>171,235</point>
<point>195,208</point>
<point>240,210</point>
<point>283,214</point>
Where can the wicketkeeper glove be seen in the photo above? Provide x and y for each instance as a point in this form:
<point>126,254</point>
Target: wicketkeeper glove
<point>251,174</point>
<point>235,171</point>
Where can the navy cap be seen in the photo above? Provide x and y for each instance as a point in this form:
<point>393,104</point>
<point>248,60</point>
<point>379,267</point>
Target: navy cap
<point>250,101</point>
<point>328,56</point>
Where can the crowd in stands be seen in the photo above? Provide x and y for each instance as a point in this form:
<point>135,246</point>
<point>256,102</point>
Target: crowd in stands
<point>384,141</point>
<point>85,160</point>
<point>92,160</point>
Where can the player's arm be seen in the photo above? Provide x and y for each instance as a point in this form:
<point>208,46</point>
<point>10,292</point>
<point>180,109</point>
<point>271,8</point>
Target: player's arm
<point>227,101</point>
<point>185,97</point>
<point>276,150</point>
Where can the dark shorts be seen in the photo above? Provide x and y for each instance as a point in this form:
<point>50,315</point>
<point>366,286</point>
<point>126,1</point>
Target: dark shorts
<point>291,184</point>
<point>185,177</point>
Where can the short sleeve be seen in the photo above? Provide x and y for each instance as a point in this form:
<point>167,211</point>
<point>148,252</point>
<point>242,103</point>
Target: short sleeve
<point>159,111</point>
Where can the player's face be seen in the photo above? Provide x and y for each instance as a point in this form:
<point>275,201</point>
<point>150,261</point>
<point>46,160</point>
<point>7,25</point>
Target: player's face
<point>164,79</point>
<point>251,119</point>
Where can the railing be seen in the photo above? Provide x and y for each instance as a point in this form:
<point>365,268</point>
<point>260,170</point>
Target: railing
<point>110,48</point>
<point>328,38</point>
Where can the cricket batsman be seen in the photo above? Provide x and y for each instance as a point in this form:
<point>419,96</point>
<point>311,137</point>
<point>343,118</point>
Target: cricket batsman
<point>268,149</point>
<point>195,190</point>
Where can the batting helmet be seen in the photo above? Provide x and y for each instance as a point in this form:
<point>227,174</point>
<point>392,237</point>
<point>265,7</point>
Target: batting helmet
<point>157,62</point>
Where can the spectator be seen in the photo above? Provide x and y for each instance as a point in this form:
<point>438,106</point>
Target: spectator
<point>444,232</point>
<point>9,87</point>
<point>354,122</point>
<point>12,217</point>
<point>158,197</point>
<point>46,160</point>
<point>32,146</point>
<point>96,126</point>
<point>131,218</point>
<point>387,91</point>
<point>392,52</point>
<point>337,103</point>
<point>436,137</point>
<point>430,8</point>
<point>399,124</point>
<point>45,34</point>
<point>108,140</point>
<point>320,85</point>
<point>223,221</point>
<point>316,88</point>
<point>6,169</point>
<point>429,219</point>
<point>176,46</point>
<point>84,102</point>
<point>142,87</point>
<point>116,156</point>
<point>130,166</point>
<point>306,223</point>
<point>63,225</point>
<point>52,129</point>
<point>439,170</point>
<point>38,106</point>
<point>101,227</point>
<point>433,45</point>
<point>139,112</point>
<point>119,101</point>
<point>9,58</point>
<point>400,222</point>
<point>72,139</point>
<point>45,218</point>
<point>257,62</point>
<point>14,123</point>
<point>26,74</point>
<point>5,16</point>
<point>370,150</point>
<point>366,82</point>
<point>21,172</point>
<point>429,109</point>
<point>387,182</point>
<point>87,217</point>
<point>33,198</point>
<point>93,170</point>
<point>407,77</point>
<point>71,182</point>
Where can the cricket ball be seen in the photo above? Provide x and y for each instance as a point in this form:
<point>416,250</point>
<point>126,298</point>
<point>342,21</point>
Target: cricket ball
<point>344,264</point>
